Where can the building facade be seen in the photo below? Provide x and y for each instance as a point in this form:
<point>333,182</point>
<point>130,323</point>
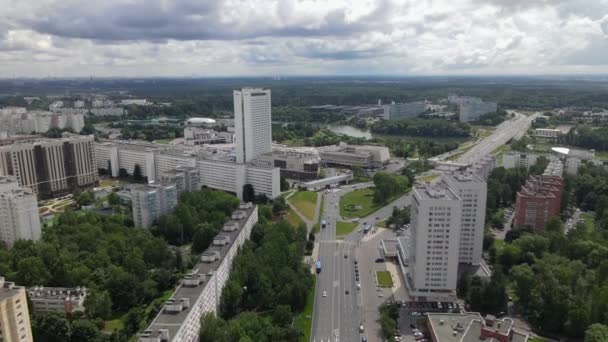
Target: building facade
<point>51,167</point>
<point>400,111</point>
<point>295,163</point>
<point>150,201</point>
<point>517,159</point>
<point>253,123</point>
<point>539,200</point>
<point>185,178</point>
<point>547,133</point>
<point>67,300</point>
<point>472,190</point>
<point>19,219</point>
<point>365,156</point>
<point>434,248</point>
<point>14,314</point>
<point>200,291</point>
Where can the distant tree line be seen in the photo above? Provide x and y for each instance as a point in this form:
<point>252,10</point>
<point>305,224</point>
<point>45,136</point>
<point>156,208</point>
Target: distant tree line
<point>422,128</point>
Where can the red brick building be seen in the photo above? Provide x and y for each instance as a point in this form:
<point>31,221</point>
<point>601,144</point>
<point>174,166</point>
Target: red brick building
<point>539,200</point>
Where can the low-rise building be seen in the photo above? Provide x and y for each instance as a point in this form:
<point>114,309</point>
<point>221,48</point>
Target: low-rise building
<point>295,163</point>
<point>365,156</point>
<point>14,314</point>
<point>195,135</point>
<point>199,292</point>
<point>107,111</point>
<point>471,108</point>
<point>471,327</point>
<point>57,299</point>
<point>547,133</point>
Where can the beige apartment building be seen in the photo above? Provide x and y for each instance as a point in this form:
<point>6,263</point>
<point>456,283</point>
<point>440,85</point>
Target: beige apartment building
<point>14,316</point>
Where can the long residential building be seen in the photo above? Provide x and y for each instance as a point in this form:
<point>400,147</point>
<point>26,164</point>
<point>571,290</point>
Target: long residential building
<point>67,300</point>
<point>434,248</point>
<point>471,108</point>
<point>539,200</point>
<point>472,190</point>
<point>17,120</point>
<point>200,291</point>
<point>51,167</point>
<point>14,314</point>
<point>19,219</point>
<point>517,159</point>
<point>400,111</point>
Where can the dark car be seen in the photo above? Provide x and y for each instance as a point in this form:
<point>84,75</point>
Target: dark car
<point>380,260</point>
<point>346,292</point>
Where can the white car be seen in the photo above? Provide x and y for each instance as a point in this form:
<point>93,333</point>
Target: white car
<point>358,286</point>
<point>324,293</point>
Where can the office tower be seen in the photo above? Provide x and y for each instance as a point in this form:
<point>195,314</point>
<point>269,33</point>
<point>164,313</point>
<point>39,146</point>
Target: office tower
<point>252,120</point>
<point>400,111</point>
<point>19,218</point>
<point>14,314</point>
<point>472,190</point>
<point>150,201</point>
<point>434,248</point>
<point>51,167</point>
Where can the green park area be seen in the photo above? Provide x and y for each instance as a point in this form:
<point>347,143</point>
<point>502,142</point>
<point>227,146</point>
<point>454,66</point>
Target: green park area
<point>305,202</point>
<point>344,228</point>
<point>384,279</point>
<point>358,203</point>
<point>304,320</point>
<point>293,218</point>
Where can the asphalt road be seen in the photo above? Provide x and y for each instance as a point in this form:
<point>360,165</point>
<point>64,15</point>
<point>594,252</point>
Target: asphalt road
<point>338,315</point>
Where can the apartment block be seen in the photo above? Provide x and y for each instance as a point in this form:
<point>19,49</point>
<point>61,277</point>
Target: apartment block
<point>186,179</point>
<point>539,200</point>
<point>547,133</point>
<point>150,201</point>
<point>435,241</point>
<point>19,218</point>
<point>66,300</point>
<point>166,160</point>
<point>484,167</point>
<point>517,159</point>
<point>253,123</point>
<point>471,108</point>
<point>51,167</point>
<point>199,292</point>
<point>400,111</point>
<point>14,314</point>
<point>472,190</point>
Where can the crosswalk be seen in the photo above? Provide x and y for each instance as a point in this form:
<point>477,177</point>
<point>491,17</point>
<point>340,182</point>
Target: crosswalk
<point>334,338</point>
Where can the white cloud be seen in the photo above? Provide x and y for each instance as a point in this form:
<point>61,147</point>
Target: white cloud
<point>260,37</point>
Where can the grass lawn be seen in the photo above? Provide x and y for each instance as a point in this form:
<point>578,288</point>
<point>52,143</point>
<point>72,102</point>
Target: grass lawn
<point>113,325</point>
<point>536,339</point>
<point>163,141</point>
<point>317,227</point>
<point>306,202</point>
<point>499,244</point>
<point>384,278</point>
<point>602,155</point>
<point>363,199</point>
<point>345,228</point>
<point>304,319</point>
<point>109,182</point>
<point>293,218</point>
<point>428,178</point>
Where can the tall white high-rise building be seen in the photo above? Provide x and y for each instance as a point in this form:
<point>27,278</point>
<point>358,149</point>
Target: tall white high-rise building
<point>435,240</point>
<point>19,218</point>
<point>252,121</point>
<point>472,190</point>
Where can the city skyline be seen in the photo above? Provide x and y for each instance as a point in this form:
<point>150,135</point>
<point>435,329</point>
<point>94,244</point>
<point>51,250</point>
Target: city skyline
<point>224,38</point>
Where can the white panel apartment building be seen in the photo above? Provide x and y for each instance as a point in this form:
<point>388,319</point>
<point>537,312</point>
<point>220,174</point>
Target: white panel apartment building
<point>434,249</point>
<point>200,291</point>
<point>517,159</point>
<point>252,121</point>
<point>19,218</point>
<point>472,190</point>
<point>151,201</point>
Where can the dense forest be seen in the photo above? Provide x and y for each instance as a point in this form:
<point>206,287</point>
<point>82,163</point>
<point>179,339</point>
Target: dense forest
<point>267,288</point>
<point>125,269</point>
<point>587,137</point>
<point>422,128</point>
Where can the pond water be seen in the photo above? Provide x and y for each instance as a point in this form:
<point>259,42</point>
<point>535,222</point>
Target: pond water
<point>350,130</point>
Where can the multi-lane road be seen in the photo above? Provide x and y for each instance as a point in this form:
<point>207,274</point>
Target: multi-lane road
<point>338,315</point>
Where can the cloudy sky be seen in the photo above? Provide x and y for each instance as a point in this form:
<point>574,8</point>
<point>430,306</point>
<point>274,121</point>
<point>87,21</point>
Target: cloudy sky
<point>301,37</point>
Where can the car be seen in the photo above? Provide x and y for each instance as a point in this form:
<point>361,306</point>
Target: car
<point>380,294</point>
<point>413,328</point>
<point>324,293</point>
<point>356,262</point>
<point>345,256</point>
<point>346,292</point>
<point>363,339</point>
<point>415,313</point>
<point>358,286</point>
<point>379,260</point>
<point>361,328</point>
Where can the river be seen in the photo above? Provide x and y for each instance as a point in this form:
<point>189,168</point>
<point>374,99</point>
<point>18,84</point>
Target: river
<point>350,130</point>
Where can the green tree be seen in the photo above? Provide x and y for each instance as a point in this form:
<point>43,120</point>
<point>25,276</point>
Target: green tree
<point>248,193</point>
<point>98,305</point>
<point>137,174</point>
<point>213,329</point>
<point>113,198</point>
<point>284,184</point>
<point>282,316</point>
<point>84,330</point>
<point>596,333</point>
<point>32,271</point>
<point>51,327</point>
<point>84,198</point>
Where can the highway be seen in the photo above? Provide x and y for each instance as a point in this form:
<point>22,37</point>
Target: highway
<point>337,316</point>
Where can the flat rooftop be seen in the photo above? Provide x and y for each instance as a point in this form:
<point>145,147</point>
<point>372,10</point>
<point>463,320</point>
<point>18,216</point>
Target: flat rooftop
<point>434,192</point>
<point>173,321</point>
<point>470,327</point>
